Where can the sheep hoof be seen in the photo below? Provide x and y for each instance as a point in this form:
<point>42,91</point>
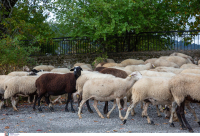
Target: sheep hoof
<point>190,130</point>
<point>172,125</point>
<point>80,117</point>
<point>152,123</point>
<point>90,111</point>
<point>124,122</point>
<point>159,115</point>
<point>108,117</point>
<point>102,117</point>
<point>40,109</point>
<point>51,109</point>
<point>198,123</point>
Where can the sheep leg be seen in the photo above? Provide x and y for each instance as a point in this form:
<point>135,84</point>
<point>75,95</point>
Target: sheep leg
<point>114,106</point>
<point>13,101</point>
<point>173,109</point>
<point>144,112</point>
<point>178,110</point>
<point>88,106</point>
<point>39,107</point>
<point>119,108</point>
<point>69,99</point>
<point>57,99</point>
<point>141,105</point>
<point>128,111</point>
<point>1,103</point>
<point>97,110</point>
<point>192,111</point>
<point>35,100</point>
<point>80,107</point>
<point>182,108</point>
<point>49,103</point>
<point>105,109</point>
<point>158,112</point>
<point>125,103</point>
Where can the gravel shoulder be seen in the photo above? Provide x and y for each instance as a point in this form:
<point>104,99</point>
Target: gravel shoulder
<point>28,121</point>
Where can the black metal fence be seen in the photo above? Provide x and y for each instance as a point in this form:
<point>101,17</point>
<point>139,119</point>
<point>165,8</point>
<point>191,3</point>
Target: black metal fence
<point>145,41</point>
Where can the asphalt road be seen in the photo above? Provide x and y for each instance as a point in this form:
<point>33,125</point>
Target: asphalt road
<point>28,121</point>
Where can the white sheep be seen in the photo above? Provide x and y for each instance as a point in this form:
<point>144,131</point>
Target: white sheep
<point>18,73</point>
<point>24,85</point>
<point>178,60</point>
<point>194,71</point>
<point>107,89</point>
<point>156,74</point>
<point>168,69</point>
<point>163,62</point>
<point>81,64</point>
<point>61,70</point>
<point>182,55</point>
<point>132,62</point>
<point>3,78</point>
<point>112,65</point>
<point>151,89</point>
<point>186,66</point>
<point>44,67</point>
<point>139,67</point>
<point>185,87</point>
<point>110,61</point>
<point>123,69</point>
<point>152,60</point>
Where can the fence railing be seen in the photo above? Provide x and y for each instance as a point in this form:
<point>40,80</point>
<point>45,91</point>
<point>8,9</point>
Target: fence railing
<point>145,41</point>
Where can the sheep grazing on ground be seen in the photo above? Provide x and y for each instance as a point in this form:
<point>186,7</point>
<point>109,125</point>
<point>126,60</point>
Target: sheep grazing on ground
<point>163,62</point>
<point>99,68</point>
<point>168,69</point>
<point>186,66</point>
<point>151,89</point>
<point>61,70</point>
<point>139,67</point>
<point>44,67</point>
<point>152,60</point>
<point>194,71</point>
<point>19,85</point>
<point>132,62</point>
<point>182,55</point>
<point>156,74</point>
<point>185,86</point>
<point>107,89</point>
<point>57,84</point>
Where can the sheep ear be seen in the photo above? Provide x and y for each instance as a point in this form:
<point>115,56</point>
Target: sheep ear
<point>71,69</point>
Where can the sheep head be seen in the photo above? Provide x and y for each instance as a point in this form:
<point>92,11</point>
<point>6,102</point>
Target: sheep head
<point>77,71</point>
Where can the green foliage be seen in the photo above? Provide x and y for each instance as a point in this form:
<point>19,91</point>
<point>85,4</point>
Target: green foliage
<point>107,18</point>
<point>26,21</point>
<point>100,59</point>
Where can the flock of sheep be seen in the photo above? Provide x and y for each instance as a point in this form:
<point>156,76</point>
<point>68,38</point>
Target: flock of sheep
<point>168,82</point>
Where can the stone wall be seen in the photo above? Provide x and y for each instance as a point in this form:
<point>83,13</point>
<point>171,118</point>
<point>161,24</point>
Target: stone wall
<point>70,60</point>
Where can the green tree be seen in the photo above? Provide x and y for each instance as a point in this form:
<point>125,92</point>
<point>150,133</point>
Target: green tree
<point>105,18</point>
<point>24,20</point>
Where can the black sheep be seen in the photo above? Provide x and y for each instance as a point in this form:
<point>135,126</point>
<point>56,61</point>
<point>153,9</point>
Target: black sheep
<point>57,84</point>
